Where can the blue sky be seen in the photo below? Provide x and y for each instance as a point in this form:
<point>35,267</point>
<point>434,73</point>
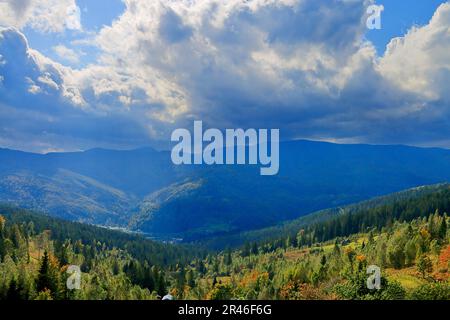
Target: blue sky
<point>94,16</point>
<point>399,16</point>
<point>78,74</point>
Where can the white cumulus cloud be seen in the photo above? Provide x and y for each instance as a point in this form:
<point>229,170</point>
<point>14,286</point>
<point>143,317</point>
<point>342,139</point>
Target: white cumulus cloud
<point>42,15</point>
<point>66,54</point>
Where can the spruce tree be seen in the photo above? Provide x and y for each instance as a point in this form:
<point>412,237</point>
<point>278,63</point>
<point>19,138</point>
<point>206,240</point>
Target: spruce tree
<point>162,291</point>
<point>443,228</point>
<point>254,248</point>
<point>46,278</point>
<point>190,278</point>
<point>201,267</point>
<point>13,293</point>
<point>227,258</point>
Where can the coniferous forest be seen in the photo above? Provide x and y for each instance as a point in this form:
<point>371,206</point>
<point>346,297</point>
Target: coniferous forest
<point>407,238</point>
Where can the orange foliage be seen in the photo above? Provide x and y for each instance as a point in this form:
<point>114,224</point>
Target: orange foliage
<point>294,290</point>
<point>53,260</point>
<point>442,273</point>
<point>174,292</point>
<point>295,254</point>
<point>254,276</point>
<point>361,258</point>
<point>2,221</point>
<point>444,257</point>
<point>290,291</point>
<point>443,265</point>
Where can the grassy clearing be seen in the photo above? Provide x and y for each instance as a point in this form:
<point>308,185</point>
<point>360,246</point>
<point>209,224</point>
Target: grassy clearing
<point>409,278</point>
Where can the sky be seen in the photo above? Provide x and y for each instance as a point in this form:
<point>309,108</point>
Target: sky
<point>80,74</point>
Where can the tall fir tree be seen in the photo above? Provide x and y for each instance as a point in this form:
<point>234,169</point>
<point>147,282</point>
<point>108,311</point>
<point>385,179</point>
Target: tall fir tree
<point>46,278</point>
<point>443,228</point>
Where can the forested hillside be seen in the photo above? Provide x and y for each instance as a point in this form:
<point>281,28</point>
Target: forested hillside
<point>407,204</point>
<point>142,189</point>
<point>407,238</point>
<point>413,258</point>
<point>36,250</point>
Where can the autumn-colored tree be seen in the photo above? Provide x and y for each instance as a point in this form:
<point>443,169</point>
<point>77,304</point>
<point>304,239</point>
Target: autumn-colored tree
<point>2,224</point>
<point>444,259</point>
<point>424,265</point>
<point>45,295</point>
<point>221,292</point>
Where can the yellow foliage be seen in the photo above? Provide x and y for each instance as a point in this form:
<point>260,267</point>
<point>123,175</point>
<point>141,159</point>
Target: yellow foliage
<point>424,233</point>
<point>2,222</point>
<point>348,250</point>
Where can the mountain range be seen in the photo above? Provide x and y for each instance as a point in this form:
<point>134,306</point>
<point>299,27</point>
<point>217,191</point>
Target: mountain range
<point>142,190</point>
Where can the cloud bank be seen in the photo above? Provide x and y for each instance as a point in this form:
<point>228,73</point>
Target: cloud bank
<point>42,15</point>
<point>303,66</point>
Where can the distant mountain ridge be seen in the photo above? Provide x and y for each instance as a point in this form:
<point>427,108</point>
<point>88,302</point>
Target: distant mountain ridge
<point>142,190</point>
